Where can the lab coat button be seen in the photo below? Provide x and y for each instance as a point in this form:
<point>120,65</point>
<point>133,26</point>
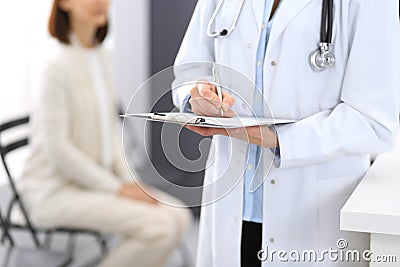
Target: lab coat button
<point>263,26</point>
<point>250,167</point>
<point>271,240</point>
<point>272,181</point>
<point>244,106</point>
<point>249,45</point>
<point>259,62</point>
<point>273,63</point>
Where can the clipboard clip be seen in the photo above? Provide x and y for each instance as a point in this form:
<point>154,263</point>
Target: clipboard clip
<point>199,121</point>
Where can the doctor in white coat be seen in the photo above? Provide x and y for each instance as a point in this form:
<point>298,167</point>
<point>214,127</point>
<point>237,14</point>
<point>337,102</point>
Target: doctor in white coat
<point>343,115</point>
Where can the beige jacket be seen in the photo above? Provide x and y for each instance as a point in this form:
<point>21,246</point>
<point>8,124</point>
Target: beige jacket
<point>66,141</point>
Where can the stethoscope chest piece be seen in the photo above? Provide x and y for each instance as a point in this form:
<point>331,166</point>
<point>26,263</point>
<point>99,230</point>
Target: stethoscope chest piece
<point>322,58</point>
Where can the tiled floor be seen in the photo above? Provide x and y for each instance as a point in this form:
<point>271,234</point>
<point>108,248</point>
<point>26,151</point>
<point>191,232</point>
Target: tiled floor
<point>87,249</point>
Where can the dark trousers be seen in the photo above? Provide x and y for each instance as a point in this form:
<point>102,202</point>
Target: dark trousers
<point>251,244</point>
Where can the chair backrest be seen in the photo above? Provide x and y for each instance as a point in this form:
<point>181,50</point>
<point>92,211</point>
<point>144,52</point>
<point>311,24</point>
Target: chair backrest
<point>5,149</point>
<point>8,147</point>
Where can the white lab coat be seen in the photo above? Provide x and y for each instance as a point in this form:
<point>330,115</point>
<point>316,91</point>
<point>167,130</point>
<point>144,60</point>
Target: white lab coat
<point>344,114</point>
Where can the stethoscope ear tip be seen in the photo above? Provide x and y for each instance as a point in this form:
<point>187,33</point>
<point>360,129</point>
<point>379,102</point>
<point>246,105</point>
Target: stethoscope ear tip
<point>224,32</point>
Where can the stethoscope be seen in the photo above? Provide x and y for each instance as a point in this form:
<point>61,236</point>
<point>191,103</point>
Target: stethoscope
<point>321,59</point>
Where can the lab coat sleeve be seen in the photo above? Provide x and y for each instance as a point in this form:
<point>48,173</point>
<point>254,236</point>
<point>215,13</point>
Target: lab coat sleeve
<point>367,118</point>
<point>54,127</point>
<point>187,107</point>
<point>195,54</point>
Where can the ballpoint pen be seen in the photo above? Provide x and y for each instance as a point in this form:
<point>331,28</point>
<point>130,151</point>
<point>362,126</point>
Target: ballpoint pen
<point>217,85</point>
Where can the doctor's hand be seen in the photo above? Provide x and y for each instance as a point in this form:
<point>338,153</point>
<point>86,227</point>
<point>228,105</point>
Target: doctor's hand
<point>205,101</point>
<point>257,135</point>
<point>133,191</point>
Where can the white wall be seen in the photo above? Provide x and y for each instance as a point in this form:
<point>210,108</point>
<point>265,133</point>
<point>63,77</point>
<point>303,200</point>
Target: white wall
<point>24,41</point>
<point>23,26</point>
<point>24,37</point>
<point>132,61</point>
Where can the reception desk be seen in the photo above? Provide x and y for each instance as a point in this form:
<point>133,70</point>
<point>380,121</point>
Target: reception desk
<point>374,208</point>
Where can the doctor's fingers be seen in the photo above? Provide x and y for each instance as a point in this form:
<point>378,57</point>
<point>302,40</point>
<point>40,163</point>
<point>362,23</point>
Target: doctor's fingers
<point>210,106</point>
<point>209,92</point>
<point>228,100</point>
<point>201,106</point>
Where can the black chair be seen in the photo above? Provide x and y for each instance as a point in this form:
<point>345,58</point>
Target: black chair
<point>28,257</point>
<point>16,200</point>
<point>5,234</point>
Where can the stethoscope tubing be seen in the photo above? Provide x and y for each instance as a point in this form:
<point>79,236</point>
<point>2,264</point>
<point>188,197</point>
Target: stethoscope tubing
<point>327,22</point>
<point>321,59</point>
<point>224,32</point>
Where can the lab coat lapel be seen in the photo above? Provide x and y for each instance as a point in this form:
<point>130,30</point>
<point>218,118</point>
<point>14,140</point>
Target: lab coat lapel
<point>288,10</point>
<point>258,10</point>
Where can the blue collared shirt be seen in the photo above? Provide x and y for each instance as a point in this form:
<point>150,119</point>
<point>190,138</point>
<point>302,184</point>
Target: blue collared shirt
<point>252,201</point>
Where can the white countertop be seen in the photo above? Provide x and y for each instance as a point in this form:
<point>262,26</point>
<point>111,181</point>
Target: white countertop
<point>374,207</point>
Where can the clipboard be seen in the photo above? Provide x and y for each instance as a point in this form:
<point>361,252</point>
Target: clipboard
<point>205,121</point>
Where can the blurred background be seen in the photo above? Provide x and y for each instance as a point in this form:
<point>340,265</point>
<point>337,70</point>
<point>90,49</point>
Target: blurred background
<point>144,39</point>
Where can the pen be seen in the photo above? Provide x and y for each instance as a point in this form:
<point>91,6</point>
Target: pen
<point>217,85</point>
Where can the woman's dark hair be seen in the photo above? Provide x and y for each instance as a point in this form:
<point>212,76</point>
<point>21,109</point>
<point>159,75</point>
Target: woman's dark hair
<point>60,27</point>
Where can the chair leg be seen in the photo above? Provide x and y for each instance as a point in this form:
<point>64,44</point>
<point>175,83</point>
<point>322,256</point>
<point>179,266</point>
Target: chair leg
<point>71,244</point>
<point>5,233</point>
<point>7,236</point>
<point>103,245</point>
<point>31,228</point>
<point>48,236</point>
<point>8,256</point>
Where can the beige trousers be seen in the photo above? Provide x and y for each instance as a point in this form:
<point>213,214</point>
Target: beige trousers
<point>149,232</point>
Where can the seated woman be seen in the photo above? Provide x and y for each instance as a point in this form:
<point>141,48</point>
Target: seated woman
<point>76,175</point>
